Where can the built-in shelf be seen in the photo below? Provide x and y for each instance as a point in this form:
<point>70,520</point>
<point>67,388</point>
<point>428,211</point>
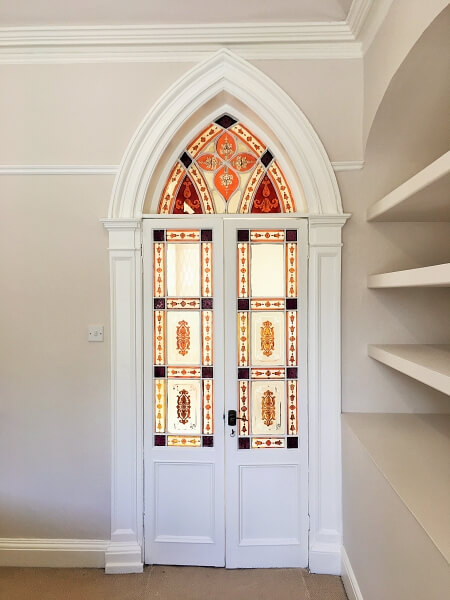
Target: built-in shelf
<point>412,452</point>
<point>424,197</point>
<point>434,276</point>
<point>429,364</point>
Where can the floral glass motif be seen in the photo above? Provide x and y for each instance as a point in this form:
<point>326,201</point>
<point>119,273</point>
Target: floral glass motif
<point>226,169</point>
<point>183,343</point>
<point>267,338</point>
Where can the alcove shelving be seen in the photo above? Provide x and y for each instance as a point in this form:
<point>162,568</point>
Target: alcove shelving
<point>423,197</point>
<point>409,452</point>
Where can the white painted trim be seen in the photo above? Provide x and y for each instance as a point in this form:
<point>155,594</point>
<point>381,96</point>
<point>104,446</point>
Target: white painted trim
<point>225,71</point>
<point>187,42</point>
<point>123,557</point>
<point>357,15</point>
<point>23,552</point>
<point>347,165</point>
<point>324,393</point>
<point>59,169</point>
<point>370,26</point>
<point>349,579</point>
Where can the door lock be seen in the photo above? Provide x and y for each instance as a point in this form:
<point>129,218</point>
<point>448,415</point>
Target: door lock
<point>232,418</point>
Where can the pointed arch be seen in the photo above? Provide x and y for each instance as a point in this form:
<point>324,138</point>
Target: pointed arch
<point>225,72</point>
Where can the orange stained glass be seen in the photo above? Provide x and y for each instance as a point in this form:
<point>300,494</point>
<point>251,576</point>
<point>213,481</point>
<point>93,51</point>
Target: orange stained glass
<point>207,288</point>
<point>186,303</point>
<point>159,334</point>
<point>291,338</point>
<point>244,408</point>
<point>208,406</point>
<point>186,441</point>
<point>226,169</point>
<point>160,405</point>
<point>158,270</point>
<point>243,339</point>
<point>267,235</point>
<point>272,442</point>
<point>207,344</point>
<point>184,372</point>
<point>243,270</point>
<point>183,235</point>
<point>267,373</point>
<point>291,270</point>
<point>292,407</point>
<point>267,304</point>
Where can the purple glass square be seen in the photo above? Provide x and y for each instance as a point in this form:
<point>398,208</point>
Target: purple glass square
<point>207,372</point>
<point>244,443</point>
<point>160,440</point>
<point>291,303</point>
<point>292,442</point>
<point>243,304</point>
<point>158,235</point>
<point>243,235</point>
<point>291,235</point>
<point>291,373</point>
<point>207,303</point>
<point>160,371</point>
<point>208,441</point>
<point>206,235</point>
<point>159,303</point>
<point>243,373</point>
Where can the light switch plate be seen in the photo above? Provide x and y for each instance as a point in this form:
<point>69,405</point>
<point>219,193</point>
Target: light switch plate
<point>95,333</point>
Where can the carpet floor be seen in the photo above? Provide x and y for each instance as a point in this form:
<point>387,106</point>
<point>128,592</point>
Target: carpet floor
<point>168,583</point>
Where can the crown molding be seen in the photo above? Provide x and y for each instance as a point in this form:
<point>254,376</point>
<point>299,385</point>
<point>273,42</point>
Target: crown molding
<point>187,43</point>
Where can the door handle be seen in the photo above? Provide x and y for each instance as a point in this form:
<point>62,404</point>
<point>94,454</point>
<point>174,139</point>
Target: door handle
<point>232,418</point>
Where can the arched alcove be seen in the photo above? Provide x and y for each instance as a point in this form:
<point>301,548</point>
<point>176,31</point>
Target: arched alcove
<point>223,84</point>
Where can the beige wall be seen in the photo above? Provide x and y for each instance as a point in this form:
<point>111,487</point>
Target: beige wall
<point>54,385</point>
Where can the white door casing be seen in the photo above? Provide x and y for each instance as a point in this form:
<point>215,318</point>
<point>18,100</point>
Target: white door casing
<point>225,72</point>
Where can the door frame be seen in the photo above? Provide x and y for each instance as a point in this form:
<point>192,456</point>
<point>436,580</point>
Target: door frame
<point>125,551</point>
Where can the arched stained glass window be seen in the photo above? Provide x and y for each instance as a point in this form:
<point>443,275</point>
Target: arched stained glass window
<point>226,169</point>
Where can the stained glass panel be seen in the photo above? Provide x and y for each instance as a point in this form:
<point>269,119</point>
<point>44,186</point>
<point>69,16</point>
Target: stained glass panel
<point>226,169</point>
<point>183,342</point>
<point>267,337</point>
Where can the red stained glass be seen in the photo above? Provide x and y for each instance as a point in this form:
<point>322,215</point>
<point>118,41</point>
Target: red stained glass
<point>226,146</point>
<point>226,181</point>
<point>187,197</point>
<point>266,199</point>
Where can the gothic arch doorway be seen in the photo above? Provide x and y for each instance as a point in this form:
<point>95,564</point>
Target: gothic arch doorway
<point>321,209</point>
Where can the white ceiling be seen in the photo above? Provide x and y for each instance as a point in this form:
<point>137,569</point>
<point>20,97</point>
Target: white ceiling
<point>28,13</point>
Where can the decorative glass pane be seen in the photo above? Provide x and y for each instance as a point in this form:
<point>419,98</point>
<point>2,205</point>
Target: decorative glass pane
<point>184,407</point>
<point>183,353</point>
<point>183,337</point>
<point>226,169</point>
<point>268,407</point>
<point>267,270</point>
<point>267,338</point>
<point>183,270</point>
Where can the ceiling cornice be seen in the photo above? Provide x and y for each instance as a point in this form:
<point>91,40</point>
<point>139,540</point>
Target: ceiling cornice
<point>189,43</point>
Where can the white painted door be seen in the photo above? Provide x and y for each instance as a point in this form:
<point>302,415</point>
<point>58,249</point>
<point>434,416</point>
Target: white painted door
<point>225,330</point>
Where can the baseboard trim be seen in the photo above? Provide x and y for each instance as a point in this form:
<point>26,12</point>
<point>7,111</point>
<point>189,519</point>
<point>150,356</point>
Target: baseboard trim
<point>123,557</point>
<point>325,559</point>
<point>20,552</point>
<point>348,578</point>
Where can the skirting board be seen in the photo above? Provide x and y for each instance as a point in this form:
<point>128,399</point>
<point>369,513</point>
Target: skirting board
<point>325,559</point>
<point>19,552</point>
<point>348,578</point>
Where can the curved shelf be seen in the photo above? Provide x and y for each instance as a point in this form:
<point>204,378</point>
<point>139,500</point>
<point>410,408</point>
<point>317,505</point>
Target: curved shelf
<point>429,364</point>
<point>433,276</point>
<point>412,453</point>
<point>424,197</point>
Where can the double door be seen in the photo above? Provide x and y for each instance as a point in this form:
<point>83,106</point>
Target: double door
<point>225,404</point>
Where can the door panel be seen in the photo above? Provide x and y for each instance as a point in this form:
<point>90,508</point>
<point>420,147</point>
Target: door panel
<point>225,329</point>
<point>183,392</point>
<point>266,453</point>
